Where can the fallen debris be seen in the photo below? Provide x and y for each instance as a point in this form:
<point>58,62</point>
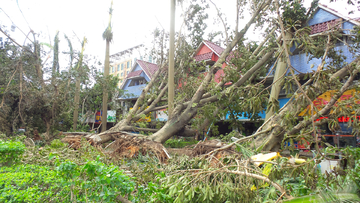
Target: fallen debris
<point>73,141</point>
<point>76,133</point>
<point>203,148</point>
<point>180,151</point>
<point>129,146</point>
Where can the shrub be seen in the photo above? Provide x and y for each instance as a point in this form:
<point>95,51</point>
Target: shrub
<point>93,181</point>
<point>56,143</point>
<point>11,152</point>
<point>28,183</point>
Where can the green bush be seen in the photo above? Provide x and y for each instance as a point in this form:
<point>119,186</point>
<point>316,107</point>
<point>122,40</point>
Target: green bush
<point>56,143</point>
<point>28,183</point>
<point>92,182</point>
<point>11,152</point>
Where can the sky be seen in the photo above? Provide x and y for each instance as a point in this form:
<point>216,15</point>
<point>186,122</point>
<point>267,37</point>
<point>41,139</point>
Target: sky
<point>133,21</point>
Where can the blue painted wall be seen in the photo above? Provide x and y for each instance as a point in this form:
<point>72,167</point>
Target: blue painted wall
<point>262,114</point>
<point>347,26</point>
<point>303,64</point>
<point>322,16</point>
<point>135,91</point>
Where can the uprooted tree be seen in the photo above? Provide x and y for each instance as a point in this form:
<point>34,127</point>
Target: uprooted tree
<point>200,100</point>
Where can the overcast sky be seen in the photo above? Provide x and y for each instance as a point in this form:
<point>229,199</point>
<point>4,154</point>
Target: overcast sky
<point>133,21</point>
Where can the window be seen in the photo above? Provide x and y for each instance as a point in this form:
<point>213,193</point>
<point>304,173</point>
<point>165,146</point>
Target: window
<point>137,82</point>
<point>127,72</point>
<point>122,66</point>
<point>118,67</point>
<point>112,69</point>
<point>128,64</point>
<point>122,74</point>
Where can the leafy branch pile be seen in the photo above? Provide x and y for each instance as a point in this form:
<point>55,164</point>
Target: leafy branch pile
<point>57,173</point>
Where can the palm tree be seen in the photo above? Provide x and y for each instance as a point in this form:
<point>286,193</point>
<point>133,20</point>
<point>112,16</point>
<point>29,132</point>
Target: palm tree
<point>77,86</point>
<point>108,36</point>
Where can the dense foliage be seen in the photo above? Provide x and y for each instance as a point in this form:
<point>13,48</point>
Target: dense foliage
<point>11,152</point>
<point>31,101</point>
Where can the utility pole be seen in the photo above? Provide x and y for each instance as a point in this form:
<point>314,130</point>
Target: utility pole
<point>171,60</point>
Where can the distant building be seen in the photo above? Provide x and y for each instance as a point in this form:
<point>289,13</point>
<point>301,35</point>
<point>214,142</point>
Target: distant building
<point>121,62</point>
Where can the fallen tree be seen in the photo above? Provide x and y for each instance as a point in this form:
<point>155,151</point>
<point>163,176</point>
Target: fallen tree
<point>245,93</point>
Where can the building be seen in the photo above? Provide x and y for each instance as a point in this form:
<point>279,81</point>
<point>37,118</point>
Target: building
<point>324,19</point>
<point>136,80</point>
<point>122,62</point>
<point>209,53</point>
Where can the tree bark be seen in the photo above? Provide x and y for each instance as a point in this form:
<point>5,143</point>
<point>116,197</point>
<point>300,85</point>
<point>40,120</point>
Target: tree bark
<point>76,103</point>
<point>105,91</point>
<point>271,141</point>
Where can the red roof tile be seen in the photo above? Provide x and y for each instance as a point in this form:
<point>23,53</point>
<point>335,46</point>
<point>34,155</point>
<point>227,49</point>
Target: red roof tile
<point>321,27</point>
<point>133,74</point>
<point>149,68</point>
<point>203,57</point>
<point>216,48</point>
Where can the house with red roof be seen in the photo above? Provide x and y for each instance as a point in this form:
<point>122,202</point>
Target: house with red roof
<point>208,53</point>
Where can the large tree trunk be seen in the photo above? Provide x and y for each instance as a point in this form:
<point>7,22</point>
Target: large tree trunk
<point>273,131</point>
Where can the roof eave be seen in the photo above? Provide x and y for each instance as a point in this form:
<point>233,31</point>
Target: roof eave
<point>338,14</point>
<point>211,49</point>
<point>198,49</point>
<point>144,70</point>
